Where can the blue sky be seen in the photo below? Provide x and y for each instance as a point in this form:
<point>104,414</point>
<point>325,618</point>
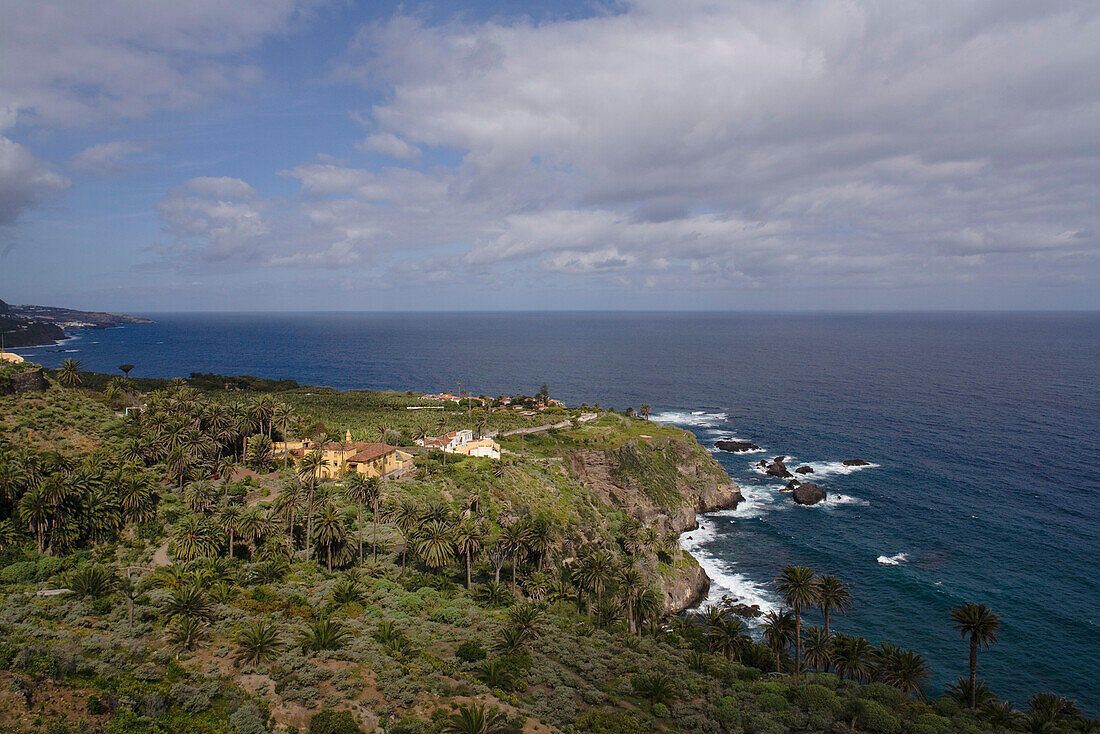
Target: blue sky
<point>811,154</point>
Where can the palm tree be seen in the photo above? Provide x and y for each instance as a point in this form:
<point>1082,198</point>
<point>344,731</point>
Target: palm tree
<point>69,373</point>
<point>656,687</point>
<point>629,580</point>
<point>799,590</point>
<point>258,642</point>
<point>468,540</point>
<point>189,602</point>
<point>542,537</point>
<point>309,471</point>
<point>283,414</point>
<point>537,585</point>
<point>818,642</point>
<point>851,657</point>
<point>779,631</point>
<point>228,518</point>
<point>644,410</point>
<point>726,636</point>
<point>1047,712</point>
<point>514,537</point>
<point>476,719</point>
<point>406,516</point>
<point>36,510</point>
<point>832,595</point>
<point>194,537</point>
<point>356,492</point>
<point>330,531</point>
<point>591,574</point>
<point>903,669</point>
<point>185,633</point>
<point>980,624</point>
<point>434,544</point>
<point>324,634</point>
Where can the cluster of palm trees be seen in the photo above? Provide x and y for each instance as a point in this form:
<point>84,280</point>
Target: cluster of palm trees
<point>64,501</point>
<point>850,657</point>
<point>194,437</point>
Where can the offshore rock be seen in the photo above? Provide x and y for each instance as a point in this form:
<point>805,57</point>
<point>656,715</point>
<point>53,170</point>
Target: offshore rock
<point>778,469</point>
<point>855,462</point>
<point>808,494</point>
<point>736,446</point>
<point>804,470</point>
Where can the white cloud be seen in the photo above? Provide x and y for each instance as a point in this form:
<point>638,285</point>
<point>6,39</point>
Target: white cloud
<point>77,63</point>
<point>220,216</point>
<point>828,141</point>
<point>107,158</point>
<point>388,144</point>
<point>25,181</point>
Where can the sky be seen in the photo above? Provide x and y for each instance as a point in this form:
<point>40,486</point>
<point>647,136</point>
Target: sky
<point>732,155</point>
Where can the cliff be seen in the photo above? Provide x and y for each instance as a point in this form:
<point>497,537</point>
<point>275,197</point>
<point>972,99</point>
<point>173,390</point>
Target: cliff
<point>663,482</point>
<point>28,326</point>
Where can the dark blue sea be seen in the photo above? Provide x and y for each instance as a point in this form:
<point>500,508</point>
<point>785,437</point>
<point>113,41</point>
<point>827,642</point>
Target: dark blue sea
<point>983,431</point>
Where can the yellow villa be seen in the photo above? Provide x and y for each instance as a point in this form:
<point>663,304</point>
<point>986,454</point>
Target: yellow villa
<point>368,459</point>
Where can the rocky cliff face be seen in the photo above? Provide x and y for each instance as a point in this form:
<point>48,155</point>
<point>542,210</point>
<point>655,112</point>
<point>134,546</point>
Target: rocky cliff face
<point>663,483</point>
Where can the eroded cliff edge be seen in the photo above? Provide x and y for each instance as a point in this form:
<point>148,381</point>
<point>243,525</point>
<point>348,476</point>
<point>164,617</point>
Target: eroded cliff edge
<point>664,483</point>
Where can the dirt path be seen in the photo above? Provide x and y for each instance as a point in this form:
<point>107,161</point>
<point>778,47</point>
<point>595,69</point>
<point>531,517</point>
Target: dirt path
<point>160,557</point>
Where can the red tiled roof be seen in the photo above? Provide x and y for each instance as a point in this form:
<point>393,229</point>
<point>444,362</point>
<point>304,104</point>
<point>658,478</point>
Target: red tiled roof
<point>369,451</point>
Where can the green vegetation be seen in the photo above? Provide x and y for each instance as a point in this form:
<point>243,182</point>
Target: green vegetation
<point>468,596</point>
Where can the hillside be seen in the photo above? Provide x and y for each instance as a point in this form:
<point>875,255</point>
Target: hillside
<point>164,572</point>
<point>27,326</point>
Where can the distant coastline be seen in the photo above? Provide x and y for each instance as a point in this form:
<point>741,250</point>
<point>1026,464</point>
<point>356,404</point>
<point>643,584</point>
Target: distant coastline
<point>33,326</point>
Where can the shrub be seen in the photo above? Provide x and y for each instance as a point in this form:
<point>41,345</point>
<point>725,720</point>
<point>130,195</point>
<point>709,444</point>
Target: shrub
<point>247,720</point>
<point>189,698</point>
<point>96,704</point>
<point>660,710</point>
<point>816,698</point>
<point>470,651</point>
<point>18,573</point>
<point>932,724</point>
<point>333,722</point>
<point>873,716</point>
<point>606,722</point>
<point>884,694</point>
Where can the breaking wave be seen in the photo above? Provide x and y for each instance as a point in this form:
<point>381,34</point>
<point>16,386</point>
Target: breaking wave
<point>897,560</point>
<point>724,580</point>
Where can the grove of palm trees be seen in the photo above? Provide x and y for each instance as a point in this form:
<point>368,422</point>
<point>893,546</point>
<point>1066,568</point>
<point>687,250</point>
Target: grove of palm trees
<point>163,569</point>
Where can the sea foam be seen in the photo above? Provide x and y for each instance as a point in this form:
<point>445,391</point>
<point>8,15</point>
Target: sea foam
<point>893,560</point>
<point>724,580</point>
<point>698,418</point>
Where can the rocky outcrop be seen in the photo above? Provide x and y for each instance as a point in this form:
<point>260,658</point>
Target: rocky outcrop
<point>778,469</point>
<point>855,462</point>
<point>736,446</point>
<point>808,494</point>
<point>686,589</point>
<point>663,483</point>
<point>804,470</point>
<point>27,381</point>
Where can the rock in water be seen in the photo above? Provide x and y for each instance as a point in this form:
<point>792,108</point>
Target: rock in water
<point>808,494</point>
<point>804,470</point>
<point>855,462</point>
<point>777,469</point>
<point>736,446</point>
<point>791,486</point>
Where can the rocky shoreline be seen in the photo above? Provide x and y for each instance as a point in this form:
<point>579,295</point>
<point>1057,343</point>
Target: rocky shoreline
<point>700,481</point>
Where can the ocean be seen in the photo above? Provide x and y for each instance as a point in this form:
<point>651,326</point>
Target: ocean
<point>983,431</point>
